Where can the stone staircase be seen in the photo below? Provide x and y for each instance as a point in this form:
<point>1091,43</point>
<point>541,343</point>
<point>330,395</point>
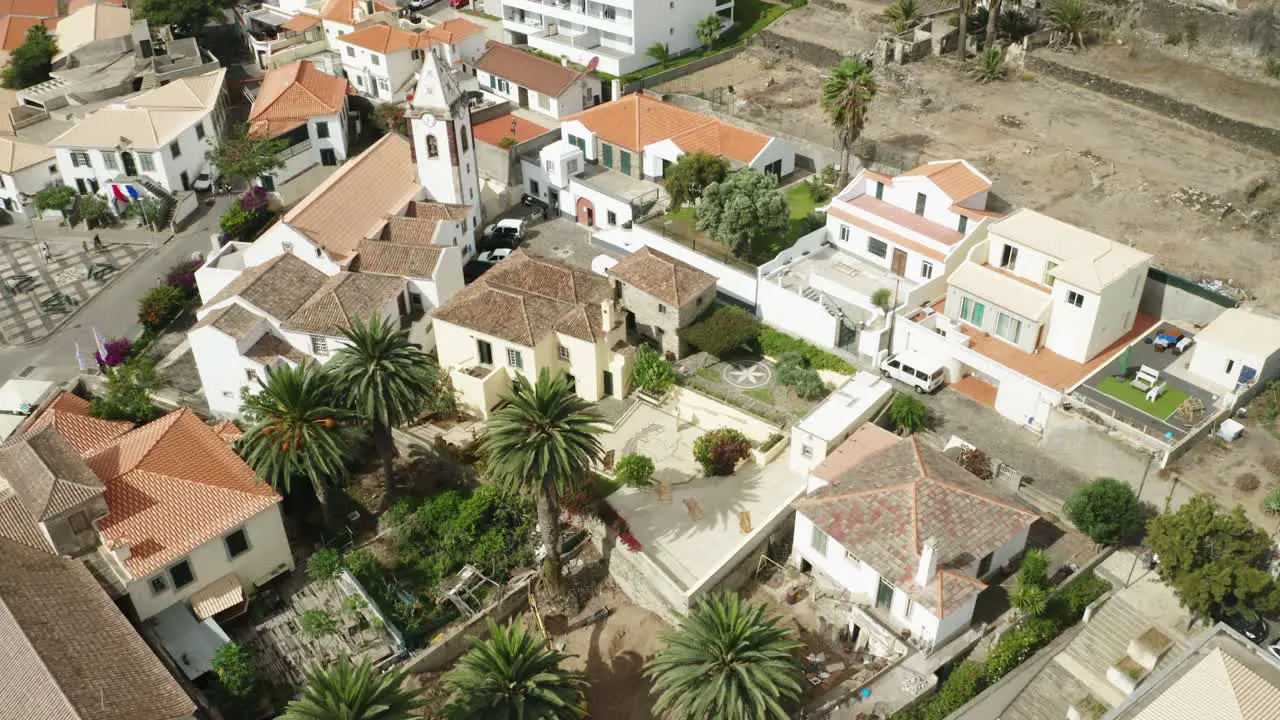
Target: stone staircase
<point>163,198</point>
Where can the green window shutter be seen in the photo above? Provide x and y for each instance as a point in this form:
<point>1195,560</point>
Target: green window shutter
<point>625,158</point>
<point>606,152</point>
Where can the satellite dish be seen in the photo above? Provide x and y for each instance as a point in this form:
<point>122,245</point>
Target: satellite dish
<point>595,63</point>
<point>429,120</point>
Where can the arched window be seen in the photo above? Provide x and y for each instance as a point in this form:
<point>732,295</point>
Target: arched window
<point>433,149</point>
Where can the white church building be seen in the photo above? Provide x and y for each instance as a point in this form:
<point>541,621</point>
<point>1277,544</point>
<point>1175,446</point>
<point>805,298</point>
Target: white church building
<point>387,234</point>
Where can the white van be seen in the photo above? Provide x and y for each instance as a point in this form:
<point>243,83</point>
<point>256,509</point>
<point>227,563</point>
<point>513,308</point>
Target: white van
<point>921,373</point>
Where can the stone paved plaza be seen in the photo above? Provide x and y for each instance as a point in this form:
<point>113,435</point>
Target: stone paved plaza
<point>37,296</point>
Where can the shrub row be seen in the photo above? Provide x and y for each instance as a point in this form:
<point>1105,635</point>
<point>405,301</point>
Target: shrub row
<point>725,328</point>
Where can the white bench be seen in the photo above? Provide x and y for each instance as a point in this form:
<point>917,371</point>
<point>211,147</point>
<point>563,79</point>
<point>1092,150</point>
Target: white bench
<point>1146,379</point>
<point>1156,391</point>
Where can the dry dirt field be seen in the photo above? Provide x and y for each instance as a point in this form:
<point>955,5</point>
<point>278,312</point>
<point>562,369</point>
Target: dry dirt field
<point>1052,146</point>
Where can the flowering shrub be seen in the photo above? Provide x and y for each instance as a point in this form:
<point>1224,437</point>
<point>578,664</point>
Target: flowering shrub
<point>183,275</point>
<point>719,451</point>
<point>254,198</point>
<point>117,352</point>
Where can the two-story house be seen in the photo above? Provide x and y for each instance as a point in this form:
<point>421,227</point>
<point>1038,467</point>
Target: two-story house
<point>616,34</point>
<point>307,110</point>
<point>907,532</point>
<point>25,169</point>
<point>534,82</point>
<point>155,140</point>
<point>69,652</point>
<point>340,17</point>
<point>1035,304</point>
<point>609,157</point>
<point>661,295</point>
<point>165,513</point>
<point>527,315</point>
<point>381,60</point>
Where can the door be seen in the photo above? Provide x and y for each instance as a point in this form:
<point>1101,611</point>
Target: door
<point>130,167</point>
<point>624,162</point>
<point>523,95</point>
<point>606,155</point>
<point>268,183</point>
<point>608,383</point>
<point>884,595</point>
<point>81,187</point>
<point>186,180</point>
<point>328,156</point>
<point>899,266</point>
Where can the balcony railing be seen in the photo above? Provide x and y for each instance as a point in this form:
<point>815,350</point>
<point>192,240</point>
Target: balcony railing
<point>295,150</point>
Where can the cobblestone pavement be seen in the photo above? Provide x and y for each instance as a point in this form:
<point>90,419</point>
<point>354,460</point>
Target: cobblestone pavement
<point>38,296</point>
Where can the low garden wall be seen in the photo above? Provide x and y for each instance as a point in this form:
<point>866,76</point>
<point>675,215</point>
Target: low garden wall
<point>457,641</point>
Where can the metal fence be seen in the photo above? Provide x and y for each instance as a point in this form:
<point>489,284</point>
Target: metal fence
<point>684,234</point>
<point>1192,287</point>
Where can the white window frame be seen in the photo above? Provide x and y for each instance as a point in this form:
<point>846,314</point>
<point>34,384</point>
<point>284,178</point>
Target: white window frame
<point>319,345</point>
<point>146,162</point>
<point>80,159</point>
<point>515,358</point>
<point>108,160</point>
<point>1010,322</point>
<point>926,269</point>
<point>1075,299</point>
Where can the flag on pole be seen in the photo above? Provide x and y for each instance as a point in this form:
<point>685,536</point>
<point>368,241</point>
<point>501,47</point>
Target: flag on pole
<point>80,363</point>
<point>101,343</point>
<point>133,191</point>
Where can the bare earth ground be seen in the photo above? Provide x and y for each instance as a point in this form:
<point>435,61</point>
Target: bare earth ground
<point>853,29</point>
<point>1048,145</point>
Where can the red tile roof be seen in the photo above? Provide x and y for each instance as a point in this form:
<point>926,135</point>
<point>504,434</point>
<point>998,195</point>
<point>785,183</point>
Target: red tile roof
<point>292,94</point>
<point>30,8</point>
<point>383,38</point>
<point>539,74</point>
<point>492,131</point>
<point>908,220</point>
<point>13,29</point>
<point>896,494</point>
<point>952,177</point>
<point>69,415</point>
<point>344,11</point>
<point>637,120</point>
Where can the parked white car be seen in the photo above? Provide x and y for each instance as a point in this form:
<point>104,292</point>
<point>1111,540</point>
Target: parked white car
<point>493,257</point>
<point>505,229</point>
<point>923,374</point>
<point>1274,651</point>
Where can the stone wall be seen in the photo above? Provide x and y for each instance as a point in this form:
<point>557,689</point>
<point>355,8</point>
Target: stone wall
<point>807,52</point>
<point>453,645</point>
<point>679,71</point>
<point>1263,138</point>
<point>1255,31</point>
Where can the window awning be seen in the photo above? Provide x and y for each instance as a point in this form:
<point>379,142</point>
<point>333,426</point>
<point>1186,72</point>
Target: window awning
<point>223,593</point>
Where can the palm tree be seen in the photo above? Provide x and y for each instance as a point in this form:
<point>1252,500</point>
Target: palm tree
<point>846,98</point>
<point>993,19</point>
<point>354,692</point>
<point>962,27</point>
<point>513,675</point>
<point>296,430</point>
<point>707,29</point>
<point>902,15</point>
<point>989,66</point>
<point>544,441</point>
<point>726,660</point>
<point>1072,21</point>
<point>384,379</point>
<point>659,52</point>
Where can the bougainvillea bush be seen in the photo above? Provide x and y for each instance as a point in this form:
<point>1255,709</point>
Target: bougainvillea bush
<point>117,352</point>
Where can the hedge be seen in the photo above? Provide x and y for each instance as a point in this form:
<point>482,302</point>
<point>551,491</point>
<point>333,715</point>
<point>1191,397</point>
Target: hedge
<point>721,329</point>
<point>775,344</point>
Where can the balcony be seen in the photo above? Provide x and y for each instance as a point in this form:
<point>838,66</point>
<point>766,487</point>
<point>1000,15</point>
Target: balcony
<point>294,150</point>
<point>480,387</point>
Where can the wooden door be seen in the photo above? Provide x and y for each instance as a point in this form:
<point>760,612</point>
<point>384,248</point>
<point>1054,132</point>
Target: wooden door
<point>899,262</point>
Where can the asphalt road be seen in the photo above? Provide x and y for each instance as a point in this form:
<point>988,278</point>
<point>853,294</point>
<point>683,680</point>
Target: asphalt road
<point>113,312</point>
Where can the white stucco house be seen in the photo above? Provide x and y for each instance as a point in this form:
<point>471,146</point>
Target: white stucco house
<point>1036,304</point>
<point>26,167</point>
<point>610,156</point>
<point>381,61</point>
<point>306,109</point>
<point>1238,350</point>
<point>855,402</point>
<point>165,514</point>
<point>616,34</point>
<point>907,532</point>
<point>340,17</point>
<point>899,236</point>
<point>156,139</point>
<point>530,81</point>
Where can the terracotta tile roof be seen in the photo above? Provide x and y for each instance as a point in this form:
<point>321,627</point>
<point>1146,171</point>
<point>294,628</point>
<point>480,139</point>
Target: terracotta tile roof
<point>67,652</point>
<point>662,276</point>
<point>904,484</point>
<point>228,430</point>
<point>524,298</point>
<point>389,258</point>
<point>526,69</point>
<point>349,12</point>
<point>451,31</point>
<point>975,214</point>
<point>382,38</point>
<point>77,4</point>
<point>231,319</point>
<point>47,474</point>
<point>909,220</point>
<point>30,8</point>
<point>635,121</point>
<point>173,485</point>
<point>277,287</point>
<point>492,131</point>
<point>16,525</point>
<point>837,211</point>
<point>953,177</point>
<point>16,154</point>
<point>409,230</point>
<point>437,211</point>
<point>291,94</point>
<point>343,297</point>
<point>69,415</point>
<point>13,29</point>
<point>301,22</point>
<point>352,204</point>
<point>269,347</point>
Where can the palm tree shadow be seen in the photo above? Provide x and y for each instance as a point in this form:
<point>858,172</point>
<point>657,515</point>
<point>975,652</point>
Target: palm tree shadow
<point>616,686</point>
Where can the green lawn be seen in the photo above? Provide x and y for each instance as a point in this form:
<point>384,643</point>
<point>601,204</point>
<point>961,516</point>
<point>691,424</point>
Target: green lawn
<point>1162,408</point>
<point>750,17</point>
<point>682,222</point>
<point>764,395</point>
<point>799,201</point>
<point>707,373</point>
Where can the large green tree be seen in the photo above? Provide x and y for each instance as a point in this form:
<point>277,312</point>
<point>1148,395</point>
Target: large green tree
<point>242,156</point>
<point>512,675</point>
<point>1107,511</point>
<point>297,430</point>
<point>29,63</point>
<point>1215,560</point>
<point>728,661</point>
<point>126,392</point>
<point>188,16</point>
<point>354,692</point>
<point>846,99</point>
<point>544,441</point>
<point>743,207</point>
<point>691,174</point>
<point>384,379</point>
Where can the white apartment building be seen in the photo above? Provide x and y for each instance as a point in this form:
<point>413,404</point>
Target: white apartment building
<point>25,169</point>
<point>381,61</point>
<point>536,83</point>
<point>155,139</point>
<point>907,532</point>
<point>615,33</point>
<point>307,109</point>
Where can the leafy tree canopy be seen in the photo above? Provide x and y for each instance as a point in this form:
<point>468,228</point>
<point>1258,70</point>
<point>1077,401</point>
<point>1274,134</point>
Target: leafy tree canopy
<point>742,208</point>
<point>691,174</point>
<point>244,157</point>
<point>1107,511</point>
<point>29,63</point>
<point>126,394</point>
<point>188,16</point>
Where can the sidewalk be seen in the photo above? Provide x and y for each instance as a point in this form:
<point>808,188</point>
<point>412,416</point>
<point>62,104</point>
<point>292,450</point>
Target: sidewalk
<point>52,231</point>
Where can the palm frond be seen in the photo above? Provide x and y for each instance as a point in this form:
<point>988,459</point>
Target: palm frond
<point>353,692</point>
<point>513,674</point>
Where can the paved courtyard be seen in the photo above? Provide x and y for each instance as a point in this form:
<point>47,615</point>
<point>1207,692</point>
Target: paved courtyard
<point>39,296</point>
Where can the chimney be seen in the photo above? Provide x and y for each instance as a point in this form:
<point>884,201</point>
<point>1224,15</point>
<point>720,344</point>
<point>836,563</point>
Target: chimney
<point>928,566</point>
<point>607,311</point>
